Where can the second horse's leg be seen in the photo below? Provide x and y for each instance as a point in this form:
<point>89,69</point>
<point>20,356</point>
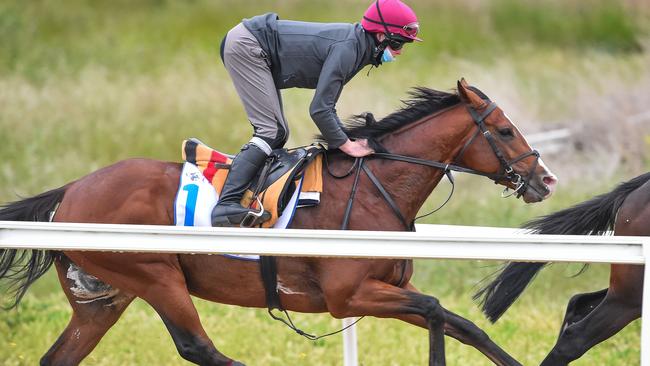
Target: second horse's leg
<point>622,304</point>
<point>580,306</point>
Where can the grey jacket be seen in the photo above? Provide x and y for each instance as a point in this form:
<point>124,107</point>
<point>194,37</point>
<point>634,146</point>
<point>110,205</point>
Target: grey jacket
<point>321,56</point>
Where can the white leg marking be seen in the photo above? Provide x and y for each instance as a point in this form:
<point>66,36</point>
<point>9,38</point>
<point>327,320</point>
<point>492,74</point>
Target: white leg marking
<point>281,287</point>
<point>88,288</point>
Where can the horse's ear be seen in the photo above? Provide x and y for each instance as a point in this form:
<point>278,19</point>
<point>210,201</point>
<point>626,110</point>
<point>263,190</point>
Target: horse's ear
<point>468,96</point>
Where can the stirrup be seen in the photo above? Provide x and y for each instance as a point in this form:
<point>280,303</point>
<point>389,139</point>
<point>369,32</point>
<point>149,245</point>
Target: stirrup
<point>254,218</point>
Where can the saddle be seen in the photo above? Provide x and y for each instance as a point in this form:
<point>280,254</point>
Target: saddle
<point>272,188</point>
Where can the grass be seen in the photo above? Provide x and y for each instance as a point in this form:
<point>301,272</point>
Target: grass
<point>42,36</point>
<point>585,25</point>
<point>68,126</point>
<point>84,84</point>
<point>527,331</point>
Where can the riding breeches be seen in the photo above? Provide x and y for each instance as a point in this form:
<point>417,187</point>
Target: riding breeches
<point>250,71</point>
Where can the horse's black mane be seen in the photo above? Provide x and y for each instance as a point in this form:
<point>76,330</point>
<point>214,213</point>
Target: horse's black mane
<point>422,102</point>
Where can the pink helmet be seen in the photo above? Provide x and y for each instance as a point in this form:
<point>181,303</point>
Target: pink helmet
<point>392,17</point>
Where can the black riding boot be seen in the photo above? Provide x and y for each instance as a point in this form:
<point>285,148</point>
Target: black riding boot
<point>229,211</point>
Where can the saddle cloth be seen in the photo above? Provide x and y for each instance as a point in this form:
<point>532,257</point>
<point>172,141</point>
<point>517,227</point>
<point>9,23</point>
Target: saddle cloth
<point>196,197</point>
<point>293,179</point>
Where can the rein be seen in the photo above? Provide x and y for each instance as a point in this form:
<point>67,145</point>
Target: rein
<point>506,172</point>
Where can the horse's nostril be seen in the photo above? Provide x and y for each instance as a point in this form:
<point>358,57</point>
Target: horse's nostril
<point>550,182</point>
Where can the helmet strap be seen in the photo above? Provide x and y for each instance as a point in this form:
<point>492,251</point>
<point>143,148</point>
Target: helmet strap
<point>378,50</point>
<point>381,17</point>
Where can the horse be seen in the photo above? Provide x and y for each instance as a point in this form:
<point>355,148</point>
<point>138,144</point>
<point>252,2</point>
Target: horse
<point>592,317</point>
<point>432,133</point>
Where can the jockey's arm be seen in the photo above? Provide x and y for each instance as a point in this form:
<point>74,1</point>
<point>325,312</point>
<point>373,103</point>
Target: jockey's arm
<point>334,73</point>
<point>328,89</point>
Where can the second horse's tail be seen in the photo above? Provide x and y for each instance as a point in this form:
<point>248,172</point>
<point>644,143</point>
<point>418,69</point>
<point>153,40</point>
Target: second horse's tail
<point>20,268</point>
<point>593,217</point>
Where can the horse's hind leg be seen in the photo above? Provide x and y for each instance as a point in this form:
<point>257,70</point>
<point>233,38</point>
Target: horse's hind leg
<point>91,318</point>
<point>158,279</point>
<point>174,305</point>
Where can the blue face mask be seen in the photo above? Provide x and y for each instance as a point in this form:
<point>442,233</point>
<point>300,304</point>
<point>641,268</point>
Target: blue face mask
<point>387,56</point>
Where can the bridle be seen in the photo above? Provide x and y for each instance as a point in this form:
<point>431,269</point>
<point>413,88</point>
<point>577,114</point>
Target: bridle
<point>506,172</point>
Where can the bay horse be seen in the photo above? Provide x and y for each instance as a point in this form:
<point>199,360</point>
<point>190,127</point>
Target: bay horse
<point>464,130</point>
<point>593,317</point>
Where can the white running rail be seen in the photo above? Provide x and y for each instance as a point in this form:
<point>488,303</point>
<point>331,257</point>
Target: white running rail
<point>431,241</point>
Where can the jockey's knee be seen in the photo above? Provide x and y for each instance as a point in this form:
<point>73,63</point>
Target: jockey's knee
<point>262,144</point>
<point>281,139</point>
<point>271,143</point>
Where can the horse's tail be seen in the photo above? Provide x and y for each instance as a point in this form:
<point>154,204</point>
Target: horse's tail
<point>20,268</point>
<point>593,217</point>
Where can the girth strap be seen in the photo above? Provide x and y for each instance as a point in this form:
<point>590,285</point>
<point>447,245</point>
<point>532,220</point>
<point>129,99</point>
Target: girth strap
<point>269,272</point>
<point>387,197</point>
<point>358,162</point>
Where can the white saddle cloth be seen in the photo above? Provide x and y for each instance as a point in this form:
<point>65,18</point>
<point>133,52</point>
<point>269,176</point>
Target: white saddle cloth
<point>196,198</point>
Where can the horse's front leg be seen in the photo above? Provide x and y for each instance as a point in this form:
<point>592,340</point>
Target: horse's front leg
<point>620,306</point>
<point>607,319</point>
<point>379,299</point>
<point>470,334</point>
<point>581,305</point>
<point>376,298</point>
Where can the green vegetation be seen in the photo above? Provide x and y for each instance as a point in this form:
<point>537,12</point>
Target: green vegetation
<point>527,331</point>
<point>600,24</point>
<point>42,37</point>
<point>84,84</point>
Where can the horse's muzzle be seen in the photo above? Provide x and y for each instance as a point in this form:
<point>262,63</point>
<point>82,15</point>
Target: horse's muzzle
<point>541,185</point>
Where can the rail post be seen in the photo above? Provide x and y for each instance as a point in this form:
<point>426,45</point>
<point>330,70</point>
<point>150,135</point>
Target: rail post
<point>645,309</point>
<point>350,355</point>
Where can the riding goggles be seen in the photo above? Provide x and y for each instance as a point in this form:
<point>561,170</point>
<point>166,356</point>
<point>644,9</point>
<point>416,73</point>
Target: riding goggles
<point>411,29</point>
<point>396,42</point>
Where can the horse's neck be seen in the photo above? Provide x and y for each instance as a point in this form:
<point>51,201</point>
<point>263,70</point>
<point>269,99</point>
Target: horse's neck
<point>437,138</point>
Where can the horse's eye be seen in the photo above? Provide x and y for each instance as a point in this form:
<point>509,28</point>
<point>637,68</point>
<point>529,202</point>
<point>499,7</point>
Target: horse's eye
<point>506,132</point>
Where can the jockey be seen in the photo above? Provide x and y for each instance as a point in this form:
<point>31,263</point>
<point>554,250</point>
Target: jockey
<point>264,54</point>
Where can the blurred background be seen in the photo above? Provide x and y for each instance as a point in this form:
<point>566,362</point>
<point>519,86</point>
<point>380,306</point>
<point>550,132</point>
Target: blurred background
<point>86,83</point>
